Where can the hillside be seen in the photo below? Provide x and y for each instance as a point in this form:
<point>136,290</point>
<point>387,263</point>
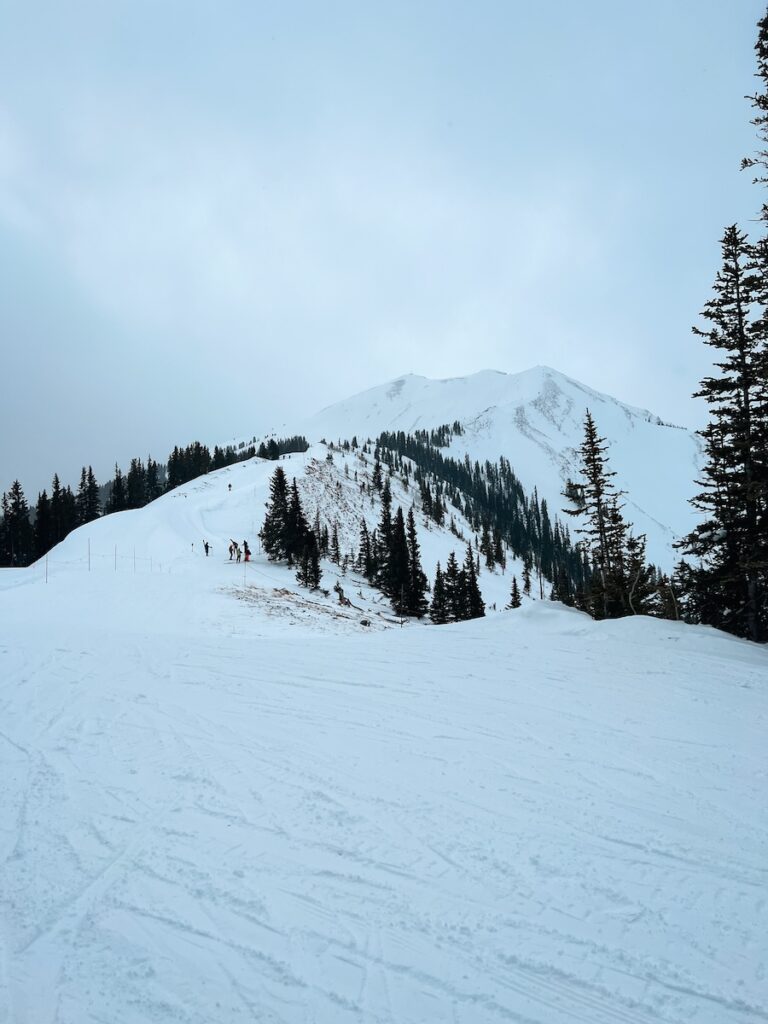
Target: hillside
<point>535,419</point>
<point>224,803</point>
<point>167,538</point>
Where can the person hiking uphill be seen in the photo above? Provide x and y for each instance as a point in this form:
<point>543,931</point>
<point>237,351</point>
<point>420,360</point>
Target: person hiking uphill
<point>206,545</point>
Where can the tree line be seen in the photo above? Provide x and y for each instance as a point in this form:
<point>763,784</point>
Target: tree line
<point>722,578</point>
<point>27,533</point>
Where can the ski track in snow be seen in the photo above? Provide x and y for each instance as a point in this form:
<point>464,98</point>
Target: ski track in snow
<point>392,828</point>
<point>222,800</point>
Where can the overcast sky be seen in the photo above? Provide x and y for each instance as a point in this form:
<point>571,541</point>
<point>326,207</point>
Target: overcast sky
<point>219,217</point>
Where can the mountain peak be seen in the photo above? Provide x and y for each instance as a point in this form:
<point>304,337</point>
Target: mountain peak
<point>535,419</point>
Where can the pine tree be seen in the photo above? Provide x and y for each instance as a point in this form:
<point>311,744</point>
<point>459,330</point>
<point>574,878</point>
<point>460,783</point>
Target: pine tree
<point>296,531</point>
<point>384,542</point>
<point>309,572</point>
<point>17,536</point>
<point>398,576</point>
<point>117,497</point>
<point>365,562</point>
<point>136,485</point>
<point>527,578</point>
<point>472,598</point>
<point>486,547</point>
<point>605,530</point>
<point>88,504</point>
<point>498,551</point>
<point>439,611</point>
<point>43,525</point>
<point>514,596</point>
<point>154,487</point>
<point>453,584</point>
<point>417,580</point>
<point>274,531</point>
<point>335,549</point>
<point>731,541</point>
<point>641,583</point>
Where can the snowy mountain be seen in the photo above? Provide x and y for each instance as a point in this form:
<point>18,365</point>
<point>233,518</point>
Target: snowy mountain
<point>225,799</point>
<point>536,419</point>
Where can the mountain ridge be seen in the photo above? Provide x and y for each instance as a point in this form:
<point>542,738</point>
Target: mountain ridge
<point>535,419</point>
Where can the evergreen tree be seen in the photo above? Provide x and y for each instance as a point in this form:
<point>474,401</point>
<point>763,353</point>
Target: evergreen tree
<point>297,531</point>
<point>365,561</point>
<point>398,574</point>
<point>43,525</point>
<point>486,547</point>
<point>335,550</point>
<point>641,582</point>
<point>275,529</point>
<point>453,584</point>
<point>154,487</point>
<point>136,485</point>
<point>439,611</point>
<point>384,542</point>
<point>117,498</point>
<point>473,607</point>
<point>527,578</point>
<point>731,541</point>
<point>605,531</point>
<point>514,596</point>
<point>17,536</point>
<point>88,504</point>
<point>417,581</point>
<point>498,551</point>
<point>309,572</point>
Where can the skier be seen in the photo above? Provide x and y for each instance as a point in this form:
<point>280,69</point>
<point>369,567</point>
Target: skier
<point>231,549</point>
<point>246,551</point>
<point>238,552</point>
<point>206,546</point>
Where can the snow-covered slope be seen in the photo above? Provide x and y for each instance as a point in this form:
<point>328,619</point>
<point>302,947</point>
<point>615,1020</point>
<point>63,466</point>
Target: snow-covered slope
<point>166,538</point>
<point>212,813</point>
<point>536,420</point>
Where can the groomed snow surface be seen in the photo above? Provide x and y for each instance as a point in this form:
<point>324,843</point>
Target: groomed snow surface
<point>225,800</point>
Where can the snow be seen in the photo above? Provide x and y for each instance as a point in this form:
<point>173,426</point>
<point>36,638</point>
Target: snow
<point>536,420</point>
<point>225,799</point>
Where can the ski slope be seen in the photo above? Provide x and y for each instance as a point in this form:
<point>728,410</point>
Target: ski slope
<point>224,799</point>
<point>536,420</point>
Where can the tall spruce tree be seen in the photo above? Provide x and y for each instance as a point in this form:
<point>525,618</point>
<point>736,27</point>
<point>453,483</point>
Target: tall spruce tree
<point>43,525</point>
<point>16,534</point>
<point>453,585</point>
<point>309,572</point>
<point>398,575</point>
<point>596,501</point>
<point>417,580</point>
<point>384,541</point>
<point>88,504</point>
<point>297,530</point>
<point>117,498</point>
<point>274,531</point>
<point>472,600</point>
<point>728,588</point>
<point>439,611</point>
